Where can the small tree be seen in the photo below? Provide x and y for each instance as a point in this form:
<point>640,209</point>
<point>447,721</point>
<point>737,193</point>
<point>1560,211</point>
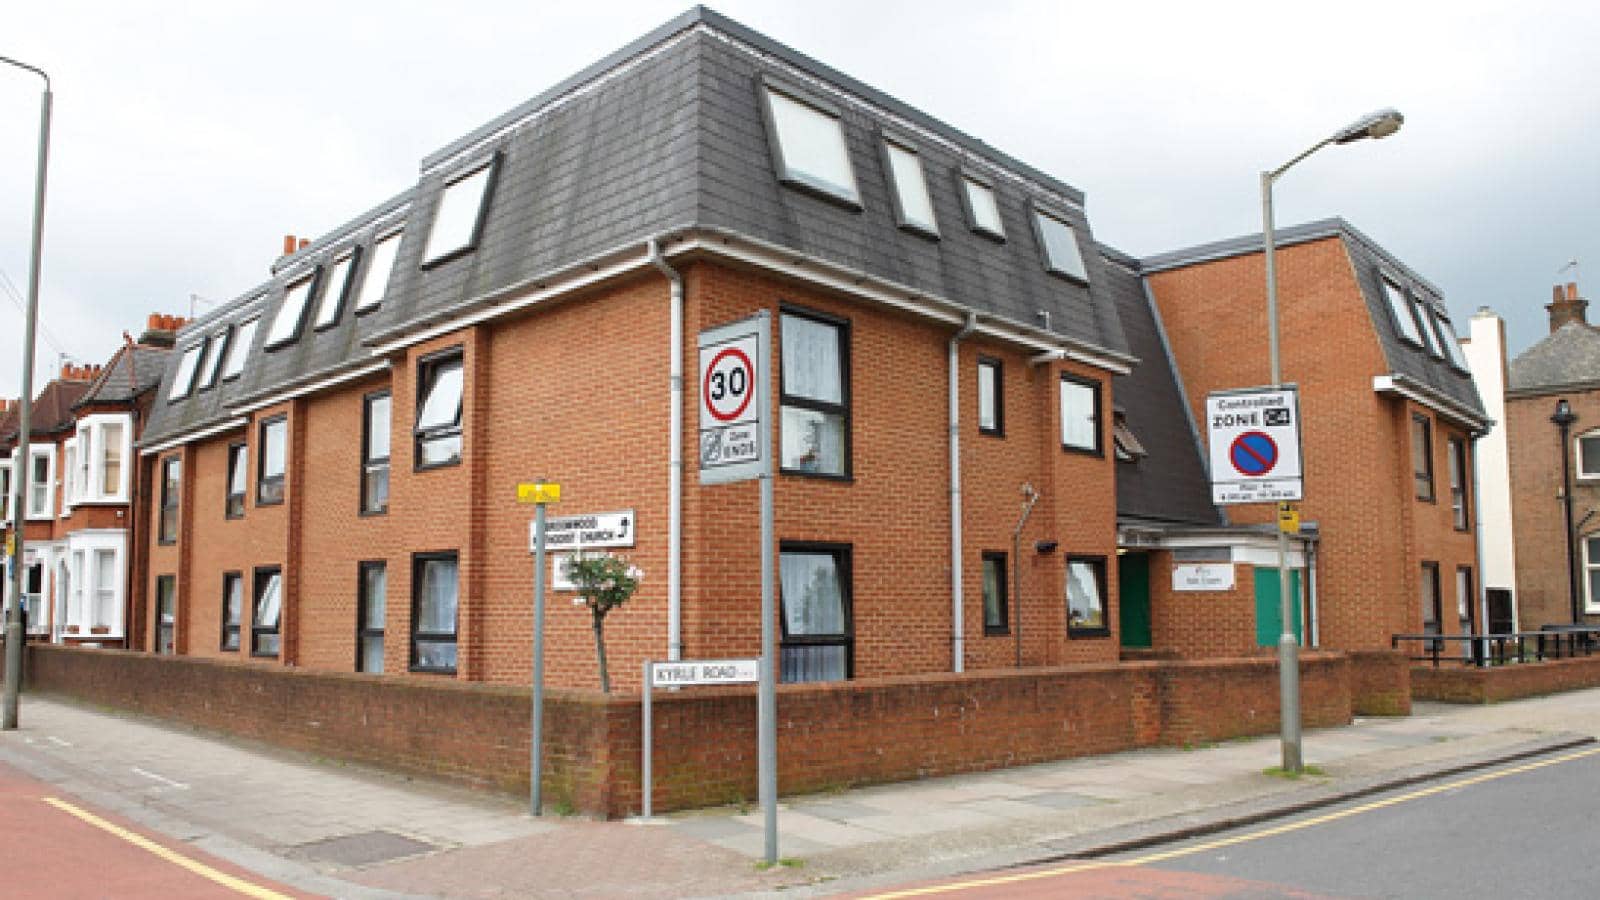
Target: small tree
<point>605,582</point>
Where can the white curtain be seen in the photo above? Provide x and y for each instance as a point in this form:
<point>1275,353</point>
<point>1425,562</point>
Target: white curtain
<point>811,364</point>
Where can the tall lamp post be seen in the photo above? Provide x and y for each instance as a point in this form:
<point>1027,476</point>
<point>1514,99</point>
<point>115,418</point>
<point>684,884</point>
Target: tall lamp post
<point>1563,419</point>
<point>1380,124</point>
<point>13,611</point>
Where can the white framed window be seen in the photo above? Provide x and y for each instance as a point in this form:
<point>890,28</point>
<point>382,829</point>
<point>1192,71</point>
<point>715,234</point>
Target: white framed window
<point>369,292</point>
<point>41,481</point>
<point>1400,308</point>
<point>1060,244</point>
<point>239,349</point>
<point>983,211</point>
<point>991,393</point>
<point>69,475</point>
<point>333,290</point>
<point>98,584</point>
<point>459,220</point>
<point>1080,414</point>
<point>809,148</point>
<point>217,349</point>
<point>186,369</point>
<point>291,313</point>
<point>34,597</point>
<point>1591,574</point>
<point>913,206</point>
<point>1588,452</point>
<point>103,448</point>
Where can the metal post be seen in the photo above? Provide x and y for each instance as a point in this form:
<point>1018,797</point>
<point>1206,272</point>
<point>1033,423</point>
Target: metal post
<point>536,743</point>
<point>645,733</point>
<point>1288,649</point>
<point>13,611</point>
<point>1564,419</point>
<point>767,702</point>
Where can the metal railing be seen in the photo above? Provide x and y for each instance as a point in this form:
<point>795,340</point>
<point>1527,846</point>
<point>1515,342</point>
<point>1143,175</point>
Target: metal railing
<point>1551,642</point>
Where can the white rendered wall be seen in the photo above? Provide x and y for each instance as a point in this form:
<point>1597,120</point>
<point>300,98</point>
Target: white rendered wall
<point>1486,356</point>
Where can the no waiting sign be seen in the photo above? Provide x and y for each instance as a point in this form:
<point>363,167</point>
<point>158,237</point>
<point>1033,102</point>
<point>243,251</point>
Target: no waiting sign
<point>1254,440</point>
<point>733,400</point>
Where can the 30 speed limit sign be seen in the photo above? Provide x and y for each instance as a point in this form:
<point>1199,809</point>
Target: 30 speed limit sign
<point>733,400</point>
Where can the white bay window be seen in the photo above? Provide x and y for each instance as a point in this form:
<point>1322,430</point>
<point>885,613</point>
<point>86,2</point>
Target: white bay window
<point>101,453</point>
<point>98,584</point>
<point>41,481</point>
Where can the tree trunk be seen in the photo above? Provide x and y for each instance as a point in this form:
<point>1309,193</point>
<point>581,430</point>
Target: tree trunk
<point>600,651</point>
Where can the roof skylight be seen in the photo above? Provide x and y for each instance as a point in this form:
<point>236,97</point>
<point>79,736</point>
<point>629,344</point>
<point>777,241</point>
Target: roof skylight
<point>1060,242</point>
<point>218,345</point>
<point>185,377</point>
<point>369,293</point>
<point>333,291</point>
<point>912,203</point>
<point>981,204</point>
<point>1400,308</point>
<point>291,314</point>
<point>460,215</point>
<point>810,147</point>
<point>239,350</point>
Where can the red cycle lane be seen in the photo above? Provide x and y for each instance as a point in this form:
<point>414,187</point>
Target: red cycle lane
<point>52,845</point>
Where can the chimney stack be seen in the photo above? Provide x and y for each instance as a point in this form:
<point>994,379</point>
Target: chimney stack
<point>70,372</point>
<point>1566,306</point>
<point>161,330</point>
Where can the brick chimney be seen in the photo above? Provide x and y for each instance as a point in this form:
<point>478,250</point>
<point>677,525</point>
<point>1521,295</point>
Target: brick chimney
<point>1567,306</point>
<point>161,330</point>
<point>70,372</point>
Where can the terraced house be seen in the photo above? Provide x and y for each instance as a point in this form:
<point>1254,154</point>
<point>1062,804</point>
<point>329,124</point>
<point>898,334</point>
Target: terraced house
<point>340,445</point>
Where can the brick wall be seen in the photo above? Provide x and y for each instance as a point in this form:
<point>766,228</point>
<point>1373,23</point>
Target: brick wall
<point>1356,445</point>
<point>1202,624</point>
<point>1538,521</point>
<point>1494,684</point>
<point>830,735</point>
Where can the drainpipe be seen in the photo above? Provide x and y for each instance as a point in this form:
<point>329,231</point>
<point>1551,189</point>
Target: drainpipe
<point>1313,627</point>
<point>674,460</point>
<point>1479,582</point>
<point>957,625</point>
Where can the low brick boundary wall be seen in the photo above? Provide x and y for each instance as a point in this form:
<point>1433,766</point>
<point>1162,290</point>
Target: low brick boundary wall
<point>1470,684</point>
<point>1380,683</point>
<point>829,735</point>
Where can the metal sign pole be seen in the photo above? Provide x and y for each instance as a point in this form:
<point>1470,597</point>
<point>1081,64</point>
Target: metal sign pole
<point>649,748</point>
<point>536,744</point>
<point>767,705</point>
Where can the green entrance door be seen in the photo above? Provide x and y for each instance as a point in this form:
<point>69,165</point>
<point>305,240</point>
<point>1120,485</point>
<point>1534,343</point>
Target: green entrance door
<point>1269,613</point>
<point>1133,599</point>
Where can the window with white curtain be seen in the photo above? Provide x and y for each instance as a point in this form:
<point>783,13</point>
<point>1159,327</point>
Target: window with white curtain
<point>1080,414</point>
<point>106,581</point>
<point>810,145</point>
<point>1086,595</point>
<point>265,612</point>
<point>818,639</point>
<point>433,619</point>
<point>102,450</point>
<point>69,475</point>
<point>371,610</point>
<point>815,402</point>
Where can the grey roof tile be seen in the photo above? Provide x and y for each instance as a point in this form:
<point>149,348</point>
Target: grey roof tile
<point>1568,357</point>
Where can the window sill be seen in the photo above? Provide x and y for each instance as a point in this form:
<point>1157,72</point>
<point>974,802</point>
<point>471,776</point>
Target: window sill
<point>167,543</point>
<point>846,477</point>
<point>1088,632</point>
<point>449,257</point>
<point>921,231</point>
<point>373,513</point>
<point>430,670</point>
<point>262,503</point>
<point>428,467</point>
<point>992,432</point>
<point>1084,451</point>
<point>996,632</point>
<point>982,232</point>
<point>1079,280</point>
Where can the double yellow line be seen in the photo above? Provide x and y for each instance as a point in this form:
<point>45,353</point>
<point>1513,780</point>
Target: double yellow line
<point>1191,849</point>
<point>177,859</point>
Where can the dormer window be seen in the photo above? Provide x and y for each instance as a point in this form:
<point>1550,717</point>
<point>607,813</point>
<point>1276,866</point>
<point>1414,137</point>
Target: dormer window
<point>1452,346</point>
<point>291,314</point>
<point>333,291</point>
<point>809,148</point>
<point>239,349</point>
<point>1060,244</point>
<point>983,211</point>
<point>217,348</point>
<point>369,293</point>
<point>186,369</point>
<point>913,207</point>
<point>459,219</point>
<point>1400,309</point>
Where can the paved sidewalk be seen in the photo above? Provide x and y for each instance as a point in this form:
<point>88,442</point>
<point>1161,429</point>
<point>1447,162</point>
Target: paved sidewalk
<point>352,832</point>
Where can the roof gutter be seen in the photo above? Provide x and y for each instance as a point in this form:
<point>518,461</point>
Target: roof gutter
<point>1404,386</point>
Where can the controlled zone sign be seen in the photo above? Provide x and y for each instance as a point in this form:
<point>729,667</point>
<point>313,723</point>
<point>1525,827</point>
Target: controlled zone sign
<point>1254,437</point>
<point>733,400</point>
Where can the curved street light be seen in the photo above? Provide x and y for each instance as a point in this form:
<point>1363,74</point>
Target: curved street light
<point>1379,124</point>
<point>13,609</point>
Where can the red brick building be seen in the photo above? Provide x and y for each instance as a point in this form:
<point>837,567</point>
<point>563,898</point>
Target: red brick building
<point>1563,368</point>
<point>1388,416</point>
<point>81,538</point>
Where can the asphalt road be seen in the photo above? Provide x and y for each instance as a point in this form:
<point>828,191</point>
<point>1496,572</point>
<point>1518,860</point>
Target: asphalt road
<point>1526,830</point>
<point>57,846</point>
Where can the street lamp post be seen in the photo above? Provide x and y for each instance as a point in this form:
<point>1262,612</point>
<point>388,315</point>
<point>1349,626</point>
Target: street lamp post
<point>19,480</point>
<point>1380,124</point>
<point>1563,419</point>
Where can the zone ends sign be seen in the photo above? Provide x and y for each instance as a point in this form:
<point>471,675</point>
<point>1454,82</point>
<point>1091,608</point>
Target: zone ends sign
<point>1254,440</point>
<point>733,400</point>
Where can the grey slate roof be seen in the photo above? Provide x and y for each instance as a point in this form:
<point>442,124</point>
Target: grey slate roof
<point>1567,358</point>
<point>663,137</point>
<point>1372,263</point>
<point>1169,483</point>
<point>133,370</point>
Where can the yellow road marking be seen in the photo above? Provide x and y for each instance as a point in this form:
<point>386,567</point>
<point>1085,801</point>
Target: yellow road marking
<point>178,859</point>
<point>1285,828</point>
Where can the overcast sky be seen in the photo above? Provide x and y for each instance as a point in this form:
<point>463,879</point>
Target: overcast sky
<point>190,137</point>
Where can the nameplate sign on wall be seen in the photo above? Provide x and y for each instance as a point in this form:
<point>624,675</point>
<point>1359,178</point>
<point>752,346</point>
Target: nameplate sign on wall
<point>1203,577</point>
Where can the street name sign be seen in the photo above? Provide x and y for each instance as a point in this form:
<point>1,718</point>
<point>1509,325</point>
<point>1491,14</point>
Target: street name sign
<point>1254,440</point>
<point>733,401</point>
<point>709,671</point>
<point>590,532</point>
